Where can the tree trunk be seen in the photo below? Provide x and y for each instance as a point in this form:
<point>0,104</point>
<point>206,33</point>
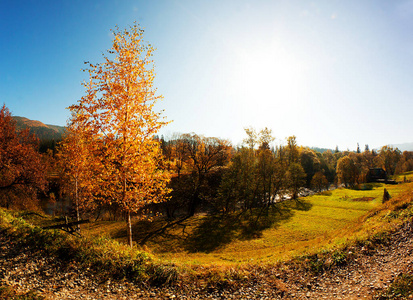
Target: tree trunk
<point>77,207</point>
<point>193,204</point>
<point>129,229</point>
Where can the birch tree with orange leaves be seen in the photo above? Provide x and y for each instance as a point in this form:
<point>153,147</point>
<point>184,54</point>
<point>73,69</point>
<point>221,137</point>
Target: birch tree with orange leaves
<point>76,165</point>
<point>119,120</point>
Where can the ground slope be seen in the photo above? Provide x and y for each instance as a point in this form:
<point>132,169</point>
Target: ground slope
<point>370,269</point>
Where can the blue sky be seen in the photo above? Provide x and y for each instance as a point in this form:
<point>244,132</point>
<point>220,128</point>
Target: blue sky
<point>330,72</point>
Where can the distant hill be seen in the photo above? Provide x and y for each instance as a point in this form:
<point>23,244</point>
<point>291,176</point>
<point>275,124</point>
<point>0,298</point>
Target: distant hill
<point>43,131</point>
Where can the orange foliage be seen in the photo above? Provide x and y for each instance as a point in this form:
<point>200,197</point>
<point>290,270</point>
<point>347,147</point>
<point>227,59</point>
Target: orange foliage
<point>118,121</point>
<point>22,173</point>
<point>76,165</point>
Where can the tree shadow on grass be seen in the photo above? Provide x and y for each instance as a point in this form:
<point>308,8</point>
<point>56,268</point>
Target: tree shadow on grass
<point>143,230</point>
<point>215,231</point>
<point>301,204</point>
<point>211,232</point>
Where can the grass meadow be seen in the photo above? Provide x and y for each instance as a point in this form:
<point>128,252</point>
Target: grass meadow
<point>289,229</point>
<point>212,249</point>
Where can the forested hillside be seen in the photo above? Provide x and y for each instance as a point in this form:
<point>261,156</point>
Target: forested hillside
<point>41,130</point>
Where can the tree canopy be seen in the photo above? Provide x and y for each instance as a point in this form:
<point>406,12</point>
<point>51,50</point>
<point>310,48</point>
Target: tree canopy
<point>22,171</point>
<point>118,122</point>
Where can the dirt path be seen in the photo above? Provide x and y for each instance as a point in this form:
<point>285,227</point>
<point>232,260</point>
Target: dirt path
<point>368,272</point>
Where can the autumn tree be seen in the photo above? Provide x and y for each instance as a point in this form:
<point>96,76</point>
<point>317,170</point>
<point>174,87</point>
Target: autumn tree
<point>239,185</point>
<point>389,157</point>
<point>319,181</point>
<point>270,169</point>
<point>265,138</point>
<point>179,153</point>
<point>310,163</point>
<point>328,165</point>
<point>117,115</point>
<point>347,171</point>
<point>254,178</point>
<point>292,150</point>
<point>22,171</point>
<point>368,158</point>
<point>202,155</point>
<point>405,163</point>
<point>252,137</point>
<point>295,179</point>
<point>181,183</point>
<point>76,165</point>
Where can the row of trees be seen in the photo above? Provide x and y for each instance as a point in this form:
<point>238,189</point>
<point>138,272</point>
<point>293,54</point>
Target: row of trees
<point>97,171</point>
<point>261,177</point>
<point>210,172</point>
<point>352,168</point>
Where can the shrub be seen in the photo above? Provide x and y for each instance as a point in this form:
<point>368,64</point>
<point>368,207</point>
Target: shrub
<point>403,285</point>
<point>7,292</point>
<point>339,258</point>
<point>401,288</point>
<point>363,187</point>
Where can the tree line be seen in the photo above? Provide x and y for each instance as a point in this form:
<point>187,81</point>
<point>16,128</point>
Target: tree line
<point>211,173</point>
<point>190,173</point>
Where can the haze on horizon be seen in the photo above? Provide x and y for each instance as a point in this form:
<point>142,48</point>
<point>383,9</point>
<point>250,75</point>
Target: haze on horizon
<point>332,73</point>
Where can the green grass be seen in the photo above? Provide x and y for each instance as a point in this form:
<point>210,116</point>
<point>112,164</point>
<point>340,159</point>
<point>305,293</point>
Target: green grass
<point>290,229</point>
<point>312,234</point>
<point>401,177</point>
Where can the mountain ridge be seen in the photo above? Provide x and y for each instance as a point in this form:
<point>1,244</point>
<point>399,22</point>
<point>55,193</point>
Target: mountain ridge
<point>41,130</point>
<point>54,132</point>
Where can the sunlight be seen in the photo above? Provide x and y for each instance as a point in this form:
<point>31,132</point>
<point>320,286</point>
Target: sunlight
<point>268,73</point>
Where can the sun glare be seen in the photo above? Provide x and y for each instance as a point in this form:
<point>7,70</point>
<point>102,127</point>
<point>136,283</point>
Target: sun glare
<point>268,72</point>
<point>266,78</point>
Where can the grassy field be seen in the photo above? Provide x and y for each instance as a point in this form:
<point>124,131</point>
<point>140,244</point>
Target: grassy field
<point>312,231</point>
<point>291,228</point>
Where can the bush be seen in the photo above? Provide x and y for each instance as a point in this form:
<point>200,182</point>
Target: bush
<point>8,293</point>
<point>363,187</point>
<point>339,258</point>
<point>401,288</point>
<point>403,285</point>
